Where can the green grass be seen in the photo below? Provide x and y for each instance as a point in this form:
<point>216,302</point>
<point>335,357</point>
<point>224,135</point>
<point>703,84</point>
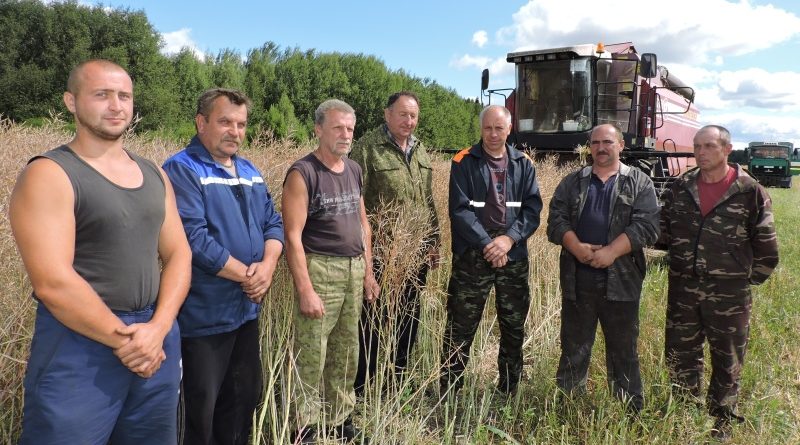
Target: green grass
<point>770,397</point>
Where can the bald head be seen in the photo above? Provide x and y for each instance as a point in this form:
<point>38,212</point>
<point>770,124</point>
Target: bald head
<point>78,74</point>
<point>609,127</point>
<point>495,110</point>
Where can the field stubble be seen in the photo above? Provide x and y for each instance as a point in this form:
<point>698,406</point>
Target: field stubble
<point>771,382</point>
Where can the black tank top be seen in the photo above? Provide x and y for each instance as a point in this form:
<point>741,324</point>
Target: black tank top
<point>333,226</point>
<point>116,231</point>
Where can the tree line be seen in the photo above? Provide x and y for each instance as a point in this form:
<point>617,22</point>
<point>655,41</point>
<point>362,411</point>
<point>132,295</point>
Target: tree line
<point>42,42</point>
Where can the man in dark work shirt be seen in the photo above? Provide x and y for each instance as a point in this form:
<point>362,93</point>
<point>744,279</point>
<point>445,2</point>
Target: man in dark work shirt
<point>494,207</point>
<point>603,216</point>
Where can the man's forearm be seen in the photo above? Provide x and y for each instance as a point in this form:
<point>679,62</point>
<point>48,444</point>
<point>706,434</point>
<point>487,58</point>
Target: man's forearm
<point>272,251</point>
<point>80,309</point>
<point>175,280</point>
<point>296,258</point>
<point>621,245</point>
<point>233,270</point>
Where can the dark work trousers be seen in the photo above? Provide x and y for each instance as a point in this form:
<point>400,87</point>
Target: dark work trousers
<point>222,385</point>
<point>403,318</point>
<point>78,392</point>
<point>619,321</point>
<point>717,310</point>
<point>471,281</point>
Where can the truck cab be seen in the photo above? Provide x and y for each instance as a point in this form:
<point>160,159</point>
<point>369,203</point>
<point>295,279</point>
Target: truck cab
<point>771,163</point>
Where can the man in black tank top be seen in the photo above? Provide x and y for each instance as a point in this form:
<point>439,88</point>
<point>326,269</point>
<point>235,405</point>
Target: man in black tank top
<point>329,254</point>
<point>91,222</point>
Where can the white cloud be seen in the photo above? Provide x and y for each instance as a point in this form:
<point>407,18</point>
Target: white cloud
<point>176,40</point>
<point>675,34</point>
<point>468,61</point>
<point>497,66</point>
<point>480,38</point>
<point>751,87</point>
<point>749,127</point>
<point>707,44</point>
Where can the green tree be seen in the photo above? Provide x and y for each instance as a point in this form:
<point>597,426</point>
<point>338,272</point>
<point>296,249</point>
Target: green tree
<point>192,77</point>
<point>283,122</point>
<point>259,80</point>
<point>42,42</point>
<point>228,70</point>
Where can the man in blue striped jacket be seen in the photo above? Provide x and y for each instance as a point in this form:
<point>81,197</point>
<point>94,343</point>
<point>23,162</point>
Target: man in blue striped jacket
<point>236,238</point>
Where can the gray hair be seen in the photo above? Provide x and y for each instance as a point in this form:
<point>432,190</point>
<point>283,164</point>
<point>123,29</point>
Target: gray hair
<point>331,104</point>
<point>724,134</point>
<point>506,113</point>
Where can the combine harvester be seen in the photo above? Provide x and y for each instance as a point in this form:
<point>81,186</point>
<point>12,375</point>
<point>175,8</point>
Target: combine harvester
<point>561,93</point>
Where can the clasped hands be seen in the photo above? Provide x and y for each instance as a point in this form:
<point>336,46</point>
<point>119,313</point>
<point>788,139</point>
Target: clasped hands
<point>142,350</point>
<point>496,251</point>
<point>599,257</point>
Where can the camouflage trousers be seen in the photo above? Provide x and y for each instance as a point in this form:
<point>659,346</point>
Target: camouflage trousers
<point>471,281</point>
<point>619,321</point>
<point>326,349</point>
<point>716,310</point>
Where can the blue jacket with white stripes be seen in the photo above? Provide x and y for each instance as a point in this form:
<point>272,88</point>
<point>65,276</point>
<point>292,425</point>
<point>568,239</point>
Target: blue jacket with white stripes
<point>469,182</point>
<point>223,216</point>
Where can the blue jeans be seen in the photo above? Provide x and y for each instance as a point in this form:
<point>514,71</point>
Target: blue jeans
<point>78,392</point>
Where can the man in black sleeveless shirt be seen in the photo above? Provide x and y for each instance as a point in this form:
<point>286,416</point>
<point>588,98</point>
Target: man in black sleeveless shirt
<point>329,254</point>
<point>91,221</point>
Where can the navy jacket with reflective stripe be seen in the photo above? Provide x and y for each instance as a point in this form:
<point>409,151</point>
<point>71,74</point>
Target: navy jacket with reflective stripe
<point>469,183</point>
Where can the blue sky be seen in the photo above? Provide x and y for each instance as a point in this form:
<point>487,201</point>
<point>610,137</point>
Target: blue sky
<point>742,57</point>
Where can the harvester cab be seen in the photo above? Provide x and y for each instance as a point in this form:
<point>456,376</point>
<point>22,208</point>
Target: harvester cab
<point>561,93</point>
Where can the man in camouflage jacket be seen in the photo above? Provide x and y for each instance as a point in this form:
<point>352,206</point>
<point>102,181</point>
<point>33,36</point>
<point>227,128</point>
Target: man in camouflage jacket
<point>720,242</point>
<point>397,172</point>
<point>603,215</point>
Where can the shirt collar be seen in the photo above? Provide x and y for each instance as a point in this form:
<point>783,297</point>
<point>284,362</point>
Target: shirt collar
<point>411,144</point>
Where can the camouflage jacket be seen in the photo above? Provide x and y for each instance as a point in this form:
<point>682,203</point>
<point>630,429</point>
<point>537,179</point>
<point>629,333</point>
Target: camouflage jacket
<point>634,212</point>
<point>736,239</point>
<point>390,179</point>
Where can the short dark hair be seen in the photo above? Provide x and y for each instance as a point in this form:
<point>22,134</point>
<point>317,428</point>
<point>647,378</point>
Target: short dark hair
<point>205,104</point>
<point>74,79</point>
<point>724,134</point>
<point>393,98</point>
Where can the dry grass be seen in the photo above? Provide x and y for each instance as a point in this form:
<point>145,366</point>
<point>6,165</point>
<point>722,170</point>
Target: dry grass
<point>770,388</point>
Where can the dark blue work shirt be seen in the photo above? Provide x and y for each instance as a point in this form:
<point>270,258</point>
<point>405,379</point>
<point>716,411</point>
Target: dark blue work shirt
<point>593,223</point>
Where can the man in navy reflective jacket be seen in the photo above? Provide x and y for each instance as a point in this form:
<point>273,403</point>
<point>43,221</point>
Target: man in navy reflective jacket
<point>494,207</point>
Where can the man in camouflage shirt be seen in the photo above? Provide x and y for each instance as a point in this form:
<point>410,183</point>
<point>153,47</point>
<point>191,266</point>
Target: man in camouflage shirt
<point>397,172</point>
<point>603,216</point>
<point>494,205</point>
<point>718,224</point>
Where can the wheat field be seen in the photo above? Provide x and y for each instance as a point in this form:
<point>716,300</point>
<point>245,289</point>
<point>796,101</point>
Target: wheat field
<point>770,397</point>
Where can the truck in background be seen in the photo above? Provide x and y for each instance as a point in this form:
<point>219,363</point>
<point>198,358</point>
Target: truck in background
<point>771,162</point>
